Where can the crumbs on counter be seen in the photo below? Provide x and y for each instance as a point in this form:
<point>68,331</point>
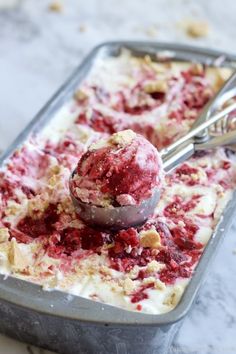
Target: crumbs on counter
<point>151,31</point>
<point>195,28</point>
<point>82,28</point>
<point>56,6</point>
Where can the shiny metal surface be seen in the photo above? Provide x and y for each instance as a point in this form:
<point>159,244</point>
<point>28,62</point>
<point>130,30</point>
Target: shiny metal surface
<point>226,92</point>
<point>174,158</point>
<point>209,131</point>
<point>227,140</point>
<point>198,129</point>
<point>116,218</point>
<point>177,156</point>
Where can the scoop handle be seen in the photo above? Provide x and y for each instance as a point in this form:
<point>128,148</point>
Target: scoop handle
<point>181,154</point>
<point>222,140</point>
<point>226,92</point>
<point>194,132</point>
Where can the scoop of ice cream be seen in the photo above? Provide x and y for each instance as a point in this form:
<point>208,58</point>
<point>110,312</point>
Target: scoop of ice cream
<point>123,169</point>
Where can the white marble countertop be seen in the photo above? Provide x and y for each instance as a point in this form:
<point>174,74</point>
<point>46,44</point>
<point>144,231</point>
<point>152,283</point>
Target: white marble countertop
<point>40,48</point>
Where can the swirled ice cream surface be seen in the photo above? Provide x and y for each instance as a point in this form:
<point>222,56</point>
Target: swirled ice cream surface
<point>145,269</point>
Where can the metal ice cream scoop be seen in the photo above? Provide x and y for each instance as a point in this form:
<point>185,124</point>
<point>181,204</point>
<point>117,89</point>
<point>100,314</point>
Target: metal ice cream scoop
<point>198,138</point>
<point>116,218</point>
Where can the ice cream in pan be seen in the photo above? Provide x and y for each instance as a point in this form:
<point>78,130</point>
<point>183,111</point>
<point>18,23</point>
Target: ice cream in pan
<point>144,268</point>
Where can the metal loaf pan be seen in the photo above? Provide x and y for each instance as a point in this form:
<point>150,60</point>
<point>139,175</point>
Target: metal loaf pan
<point>70,324</point>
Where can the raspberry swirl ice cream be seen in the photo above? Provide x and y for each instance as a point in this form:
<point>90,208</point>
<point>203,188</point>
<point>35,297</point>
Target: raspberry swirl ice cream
<point>122,169</point>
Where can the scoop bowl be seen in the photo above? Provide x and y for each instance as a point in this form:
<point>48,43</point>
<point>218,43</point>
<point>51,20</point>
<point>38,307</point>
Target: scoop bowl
<point>116,218</point>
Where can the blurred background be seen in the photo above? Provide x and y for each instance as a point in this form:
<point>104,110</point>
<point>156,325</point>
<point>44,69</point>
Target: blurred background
<point>42,41</point>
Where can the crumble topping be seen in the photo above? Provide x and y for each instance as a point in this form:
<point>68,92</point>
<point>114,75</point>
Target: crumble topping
<point>150,238</point>
<point>123,138</point>
<point>155,86</point>
<point>17,259</point>
<point>4,234</point>
<point>173,299</point>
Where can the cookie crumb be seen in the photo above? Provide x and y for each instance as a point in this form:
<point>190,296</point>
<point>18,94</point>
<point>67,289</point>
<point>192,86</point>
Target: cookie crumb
<point>196,29</point>
<point>150,238</point>
<point>174,297</point>
<point>151,32</point>
<point>154,266</point>
<point>128,286</point>
<point>4,234</point>
<point>123,138</point>
<point>56,6</point>
<point>17,260</point>
<point>80,95</point>
<point>197,69</point>
<point>82,28</point>
<point>152,86</point>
